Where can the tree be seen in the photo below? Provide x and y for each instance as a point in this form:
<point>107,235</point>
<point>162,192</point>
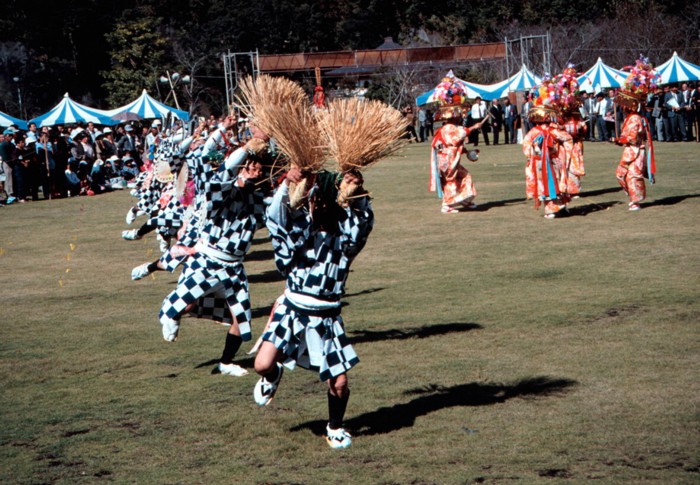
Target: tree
<point>138,54</point>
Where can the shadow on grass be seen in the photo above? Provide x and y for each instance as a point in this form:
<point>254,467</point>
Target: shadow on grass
<point>363,292</point>
<point>669,200</point>
<point>261,255</point>
<point>593,193</point>
<point>247,363</point>
<point>263,311</point>
<point>434,398</point>
<point>425,331</point>
<point>259,240</point>
<point>270,276</point>
<point>584,210</point>
<point>496,203</point>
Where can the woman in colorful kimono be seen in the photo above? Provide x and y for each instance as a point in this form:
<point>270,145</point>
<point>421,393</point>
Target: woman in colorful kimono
<point>567,101</point>
<point>637,162</point>
<point>452,182</point>
<point>546,177</point>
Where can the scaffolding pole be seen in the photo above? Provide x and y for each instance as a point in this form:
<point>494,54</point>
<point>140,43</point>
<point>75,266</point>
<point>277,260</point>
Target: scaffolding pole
<point>233,72</point>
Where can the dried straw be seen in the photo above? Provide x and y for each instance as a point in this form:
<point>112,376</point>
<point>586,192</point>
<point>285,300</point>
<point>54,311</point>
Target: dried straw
<point>282,109</point>
<point>359,133</point>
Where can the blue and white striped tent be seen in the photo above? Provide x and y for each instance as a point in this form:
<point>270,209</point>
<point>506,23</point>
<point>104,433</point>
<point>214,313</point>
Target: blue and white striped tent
<point>601,76</point>
<point>472,90</point>
<point>676,69</point>
<point>7,120</point>
<point>69,112</point>
<point>523,80</point>
<point>146,107</point>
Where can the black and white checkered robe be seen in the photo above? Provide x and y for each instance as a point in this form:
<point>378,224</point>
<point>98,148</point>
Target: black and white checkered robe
<point>316,263</point>
<point>219,290</point>
<point>140,179</point>
<point>169,218</point>
<point>201,173</point>
<point>229,225</point>
<point>149,200</point>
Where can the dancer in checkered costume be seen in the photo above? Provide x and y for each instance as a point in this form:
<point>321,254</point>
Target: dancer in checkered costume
<point>314,247</point>
<point>214,283</point>
<point>200,172</point>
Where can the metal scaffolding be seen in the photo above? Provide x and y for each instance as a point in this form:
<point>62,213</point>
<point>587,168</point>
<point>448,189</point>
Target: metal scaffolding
<point>236,66</point>
<point>529,50</point>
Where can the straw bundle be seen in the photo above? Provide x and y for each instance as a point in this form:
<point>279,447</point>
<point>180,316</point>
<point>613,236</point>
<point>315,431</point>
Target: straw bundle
<point>281,108</point>
<point>359,133</point>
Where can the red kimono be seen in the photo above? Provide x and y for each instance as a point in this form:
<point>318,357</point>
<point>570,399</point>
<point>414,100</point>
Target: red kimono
<point>448,177</point>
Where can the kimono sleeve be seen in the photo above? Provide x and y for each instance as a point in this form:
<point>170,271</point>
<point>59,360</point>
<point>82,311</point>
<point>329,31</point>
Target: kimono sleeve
<point>356,223</point>
<point>289,229</point>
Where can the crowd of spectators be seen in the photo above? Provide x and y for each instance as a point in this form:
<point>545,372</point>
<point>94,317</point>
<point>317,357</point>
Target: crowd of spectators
<point>673,112</point>
<point>82,159</point>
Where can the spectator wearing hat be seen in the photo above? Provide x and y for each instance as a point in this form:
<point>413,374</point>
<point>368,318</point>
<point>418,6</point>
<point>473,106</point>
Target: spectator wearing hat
<point>77,151</point>
<point>129,169</point>
<point>7,157</point>
<point>152,139</point>
<point>72,182</point>
<point>106,147</point>
<point>127,144</point>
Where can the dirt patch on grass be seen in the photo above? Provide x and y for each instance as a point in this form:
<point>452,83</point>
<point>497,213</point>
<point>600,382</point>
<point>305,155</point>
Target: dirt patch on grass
<point>614,314</point>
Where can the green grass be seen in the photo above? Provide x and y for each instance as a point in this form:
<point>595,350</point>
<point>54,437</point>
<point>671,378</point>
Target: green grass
<point>495,346</point>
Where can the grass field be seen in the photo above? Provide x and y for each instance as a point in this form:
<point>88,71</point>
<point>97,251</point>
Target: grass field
<point>496,346</point>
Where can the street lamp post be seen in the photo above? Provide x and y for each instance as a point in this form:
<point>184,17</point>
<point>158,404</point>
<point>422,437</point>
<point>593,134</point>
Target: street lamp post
<point>19,96</point>
<point>172,80</point>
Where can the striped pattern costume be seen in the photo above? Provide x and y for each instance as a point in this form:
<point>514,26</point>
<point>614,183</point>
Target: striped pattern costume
<point>306,325</point>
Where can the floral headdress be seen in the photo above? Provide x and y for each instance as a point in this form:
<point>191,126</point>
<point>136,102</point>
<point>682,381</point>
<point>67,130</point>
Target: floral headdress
<point>451,97</point>
<point>544,109</point>
<point>565,92</point>
<point>450,92</point>
<point>642,78</point>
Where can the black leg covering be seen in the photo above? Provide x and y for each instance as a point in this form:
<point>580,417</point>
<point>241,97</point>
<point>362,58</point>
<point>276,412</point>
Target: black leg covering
<point>233,343</point>
<point>336,410</point>
<point>145,229</point>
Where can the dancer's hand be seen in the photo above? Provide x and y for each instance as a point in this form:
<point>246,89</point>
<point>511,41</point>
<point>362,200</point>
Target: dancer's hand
<point>294,175</point>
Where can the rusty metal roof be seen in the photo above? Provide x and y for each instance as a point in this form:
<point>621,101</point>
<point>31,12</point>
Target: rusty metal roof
<point>380,58</point>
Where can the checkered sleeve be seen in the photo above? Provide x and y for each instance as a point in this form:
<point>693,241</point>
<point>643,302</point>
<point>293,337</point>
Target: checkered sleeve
<point>356,222</point>
<point>289,230</point>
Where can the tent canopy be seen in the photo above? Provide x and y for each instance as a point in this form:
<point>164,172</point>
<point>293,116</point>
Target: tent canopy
<point>523,80</point>
<point>676,69</point>
<point>7,120</point>
<point>472,90</point>
<point>69,112</point>
<point>601,76</point>
<point>147,107</point>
